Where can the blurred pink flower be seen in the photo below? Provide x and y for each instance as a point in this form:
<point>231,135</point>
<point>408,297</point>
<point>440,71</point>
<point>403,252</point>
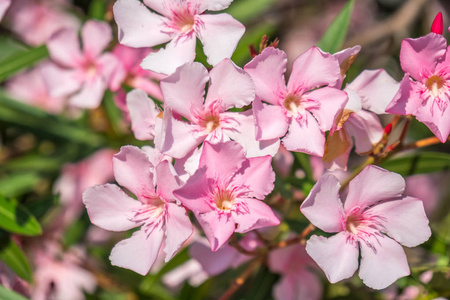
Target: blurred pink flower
<point>304,108</point>
<point>4,5</point>
<point>155,212</point>
<point>35,21</point>
<point>82,75</point>
<point>10,280</point>
<point>178,22</point>
<point>375,206</point>
<point>208,119</point>
<point>425,88</point>
<point>225,192</point>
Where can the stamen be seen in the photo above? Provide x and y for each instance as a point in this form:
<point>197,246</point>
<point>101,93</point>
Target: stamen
<point>434,84</point>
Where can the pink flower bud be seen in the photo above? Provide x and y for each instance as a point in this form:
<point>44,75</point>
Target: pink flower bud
<point>438,24</point>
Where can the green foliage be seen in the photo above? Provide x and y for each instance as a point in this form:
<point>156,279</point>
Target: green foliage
<point>24,59</point>
<point>6,294</point>
<point>423,162</point>
<point>14,258</point>
<point>17,219</point>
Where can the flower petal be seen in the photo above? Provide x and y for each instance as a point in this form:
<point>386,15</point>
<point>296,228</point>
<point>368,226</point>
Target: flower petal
<point>178,229</point>
<point>383,261</point>
<point>336,255</point>
<point>64,48</point>
<point>95,36</point>
<point>90,95</point>
<point>436,118</point>
<point>271,121</point>
<point>307,138</point>
<point>213,5</point>
<point>60,82</point>
<point>365,128</point>
<point>301,285</point>
<point>258,215</point>
<point>166,180</point>
<point>109,207</point>
<point>407,100</point>
<point>143,113</point>
<point>223,159</point>
<point>218,227</point>
<point>219,34</point>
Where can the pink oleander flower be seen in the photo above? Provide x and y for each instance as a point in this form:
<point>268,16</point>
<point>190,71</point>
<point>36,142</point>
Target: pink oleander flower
<point>225,192</point>
<point>30,88</point>
<point>369,94</point>
<point>34,21</point>
<point>297,279</point>
<point>4,5</point>
<point>155,211</point>
<point>143,112</point>
<point>83,74</point>
<point>304,108</point>
<point>425,88</point>
<point>208,119</point>
<point>373,221</point>
<point>178,22</point>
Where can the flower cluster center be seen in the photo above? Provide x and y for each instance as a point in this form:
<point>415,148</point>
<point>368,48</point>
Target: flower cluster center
<point>210,122</point>
<point>292,103</point>
<point>184,20</point>
<point>353,222</point>
<point>434,84</point>
<point>224,199</point>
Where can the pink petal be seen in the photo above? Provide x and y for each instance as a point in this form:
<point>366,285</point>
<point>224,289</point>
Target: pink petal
<point>109,207</point>
<point>133,170</point>
<point>420,56</point>
<point>376,89</point>
<point>313,69</point>
<point>407,100</point>
<point>95,36</point>
<point>219,34</point>
<point>338,147</point>
<point>271,121</point>
<point>267,72</point>
<point>336,256</point>
<point>231,85</point>
<point>346,53</point>
<point>258,175</point>
<point>382,263</point>
<point>166,180</point>
<point>332,101</point>
<point>60,82</point>
<point>176,137</point>
<point>143,113</point>
<point>365,128</point>
<point>139,252</point>
<point>90,95</point>
<point>178,229</point>
<point>259,215</point>
<point>160,6</point>
<point>212,263</point>
<point>307,138</point>
<point>213,5</point>
<point>64,48</point>
<point>302,285</point>
<point>397,219</point>
<point>138,27</point>
<point>438,120</point>
<point>217,227</point>
<point>166,60</point>
<point>372,185</point>
<point>244,134</point>
<point>222,160</point>
<point>4,4</point>
<point>149,86</point>
<point>185,88</point>
<point>323,207</point>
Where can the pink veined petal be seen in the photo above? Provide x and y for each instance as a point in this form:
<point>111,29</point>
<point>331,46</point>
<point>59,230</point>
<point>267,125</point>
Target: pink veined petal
<point>231,85</point>
<point>307,138</point>
<point>133,170</point>
<point>332,101</point>
<point>407,100</point>
<point>178,229</point>
<point>64,48</point>
<point>185,88</point>
<point>166,180</point>
<point>219,34</point>
<point>313,69</point>
<point>223,159</point>
<point>90,95</point>
<point>271,121</point>
<point>109,207</point>
<point>383,261</point>
<point>438,120</point>
<point>420,56</point>
<point>175,137</point>
<point>372,185</point>
<point>244,134</point>
<point>267,71</point>
<point>323,207</point>
<point>365,128</point>
<point>217,227</point>
<point>95,36</point>
<point>376,89</point>
<point>143,113</point>
<point>138,27</point>
<point>337,256</point>
<point>213,5</point>
<point>259,215</point>
<point>139,252</point>
<point>300,285</point>
<point>177,52</point>
<point>60,82</point>
<point>258,175</point>
<point>213,263</point>
<point>404,220</point>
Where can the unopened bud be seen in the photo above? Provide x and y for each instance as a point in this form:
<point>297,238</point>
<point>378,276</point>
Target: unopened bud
<point>438,24</point>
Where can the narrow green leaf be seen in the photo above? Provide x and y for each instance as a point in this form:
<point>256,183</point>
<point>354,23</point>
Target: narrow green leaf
<point>9,46</point>
<point>6,294</point>
<point>17,219</point>
<point>13,257</point>
<point>18,183</point>
<point>247,11</point>
<point>14,63</point>
<point>335,35</point>
<point>97,9</point>
<point>424,162</point>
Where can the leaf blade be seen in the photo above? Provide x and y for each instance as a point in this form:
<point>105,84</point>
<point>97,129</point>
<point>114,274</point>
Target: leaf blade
<point>16,219</point>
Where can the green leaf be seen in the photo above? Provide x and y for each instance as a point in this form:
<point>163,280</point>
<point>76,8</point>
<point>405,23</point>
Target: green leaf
<point>17,219</point>
<point>14,63</point>
<point>9,46</point>
<point>13,257</point>
<point>335,35</point>
<point>18,183</point>
<point>97,9</point>
<point>6,294</point>
<point>246,11</point>
<point>424,162</point>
